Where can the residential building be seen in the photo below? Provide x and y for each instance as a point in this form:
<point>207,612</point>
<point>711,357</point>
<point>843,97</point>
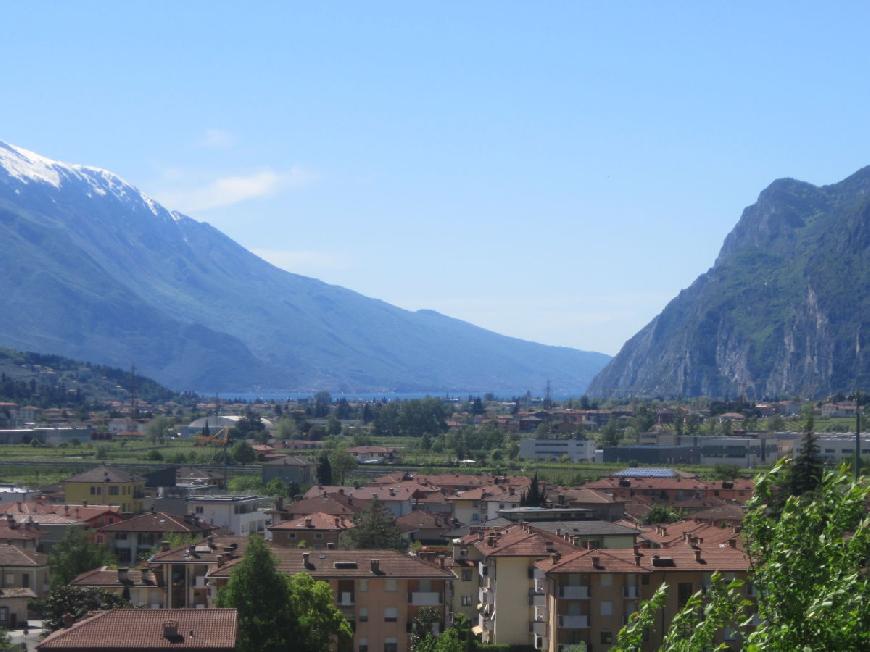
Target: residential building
<point>141,586</point>
<point>108,486</point>
<point>590,594</point>
<point>26,536</point>
<point>379,591</point>
<point>148,630</point>
<point>183,570</point>
<point>424,527</point>
<point>13,606</point>
<point>317,530</point>
<point>368,454</point>
<point>507,591</point>
<point>52,521</point>
<point>237,515</point>
<point>23,569</point>
<point>334,505</point>
<point>137,537</point>
<point>592,534</point>
<point>600,505</point>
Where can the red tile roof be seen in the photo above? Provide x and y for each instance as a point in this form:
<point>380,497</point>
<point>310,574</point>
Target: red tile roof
<point>521,541</point>
<point>332,505</point>
<point>203,552</point>
<point>315,521</point>
<point>14,556</point>
<point>143,629</point>
<point>105,576</point>
<point>158,522</point>
<point>349,563</point>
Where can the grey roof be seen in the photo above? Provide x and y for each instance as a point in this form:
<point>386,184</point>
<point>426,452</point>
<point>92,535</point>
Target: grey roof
<point>103,474</point>
<point>584,528</point>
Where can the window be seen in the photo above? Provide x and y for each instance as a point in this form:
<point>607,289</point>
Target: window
<point>606,579</point>
<point>391,615</point>
<point>466,600</point>
<point>363,585</point>
<point>114,491</point>
<point>466,575</point>
<point>363,645</point>
<point>606,638</point>
<point>199,509</point>
<point>4,615</point>
<point>363,614</point>
<point>606,608</point>
<point>391,585</point>
<point>93,491</point>
<point>318,535</point>
<point>25,580</point>
<point>391,645</point>
<point>684,592</point>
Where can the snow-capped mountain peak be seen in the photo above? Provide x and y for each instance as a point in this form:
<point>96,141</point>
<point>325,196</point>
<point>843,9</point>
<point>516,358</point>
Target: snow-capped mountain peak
<point>26,167</point>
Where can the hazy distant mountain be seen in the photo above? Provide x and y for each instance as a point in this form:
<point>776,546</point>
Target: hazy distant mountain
<point>778,314</point>
<point>93,269</point>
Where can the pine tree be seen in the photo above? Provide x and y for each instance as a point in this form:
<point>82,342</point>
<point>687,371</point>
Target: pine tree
<point>535,496</point>
<point>324,470</point>
<point>806,472</point>
<point>374,528</point>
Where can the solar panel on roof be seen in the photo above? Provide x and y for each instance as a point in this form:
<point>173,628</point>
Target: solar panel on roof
<point>647,472</point>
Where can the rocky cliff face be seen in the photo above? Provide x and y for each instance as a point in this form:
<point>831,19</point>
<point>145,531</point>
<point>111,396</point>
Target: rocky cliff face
<point>779,313</point>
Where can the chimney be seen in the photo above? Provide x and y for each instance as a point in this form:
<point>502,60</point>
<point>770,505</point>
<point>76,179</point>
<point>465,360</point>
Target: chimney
<point>732,542</point>
<point>220,560</point>
<point>68,620</point>
<point>84,503</point>
<point>191,549</point>
<point>556,556</point>
<point>490,539</point>
<point>376,565</point>
<point>305,556</point>
<point>170,630</point>
<point>20,508</point>
<point>164,546</point>
<point>636,557</point>
<point>548,545</point>
<point>596,561</point>
<point>123,574</point>
<point>210,539</point>
<point>66,510</point>
<point>664,531</point>
<point>558,531</point>
<point>308,522</point>
<point>698,555</point>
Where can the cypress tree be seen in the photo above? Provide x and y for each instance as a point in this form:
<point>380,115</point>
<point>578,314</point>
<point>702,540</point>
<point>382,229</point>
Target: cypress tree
<point>324,470</point>
<point>806,472</point>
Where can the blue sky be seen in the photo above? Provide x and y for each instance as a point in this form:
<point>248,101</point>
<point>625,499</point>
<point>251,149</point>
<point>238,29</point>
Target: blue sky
<point>553,171</point>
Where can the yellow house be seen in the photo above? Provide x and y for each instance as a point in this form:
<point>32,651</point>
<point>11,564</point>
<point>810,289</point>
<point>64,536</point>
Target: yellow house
<point>105,486</point>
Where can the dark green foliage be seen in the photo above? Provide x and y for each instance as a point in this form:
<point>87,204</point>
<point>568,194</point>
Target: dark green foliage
<point>278,613</point>
<point>73,555</point>
<point>77,602</point>
<point>324,470</point>
<point>260,594</point>
<point>413,417</point>
<point>375,528</point>
<point>661,514</point>
<point>243,453</point>
<point>806,472</point>
<point>535,496</point>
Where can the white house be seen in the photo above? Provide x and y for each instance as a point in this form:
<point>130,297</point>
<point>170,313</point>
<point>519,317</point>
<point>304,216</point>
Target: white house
<point>237,515</point>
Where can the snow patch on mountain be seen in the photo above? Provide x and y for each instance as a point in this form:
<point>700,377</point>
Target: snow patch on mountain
<point>29,167</point>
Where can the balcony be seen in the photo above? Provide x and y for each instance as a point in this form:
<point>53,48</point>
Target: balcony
<point>199,582</point>
<point>570,592</point>
<point>630,591</point>
<point>540,615</point>
<point>573,622</point>
<point>424,598</point>
<point>538,587</point>
<point>539,628</point>
<point>537,600</point>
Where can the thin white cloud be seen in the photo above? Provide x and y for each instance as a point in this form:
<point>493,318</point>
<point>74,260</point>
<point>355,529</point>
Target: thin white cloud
<point>306,262</point>
<point>216,139</point>
<point>229,190</point>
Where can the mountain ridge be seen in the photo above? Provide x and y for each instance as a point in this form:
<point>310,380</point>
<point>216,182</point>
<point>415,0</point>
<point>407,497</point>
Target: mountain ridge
<point>777,312</point>
<point>96,270</point>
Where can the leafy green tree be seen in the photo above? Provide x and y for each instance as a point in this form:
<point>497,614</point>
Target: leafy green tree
<point>73,555</point>
<point>320,622</point>
<point>322,401</point>
<point>806,472</point>
<point>160,427</point>
<point>808,568</point>
<point>5,643</point>
<point>661,514</point>
<point>324,470</point>
<point>261,595</point>
<point>341,462</point>
<point>374,528</point>
<point>286,428</point>
<point>243,453</point>
<point>333,426</point>
<point>76,601</point>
